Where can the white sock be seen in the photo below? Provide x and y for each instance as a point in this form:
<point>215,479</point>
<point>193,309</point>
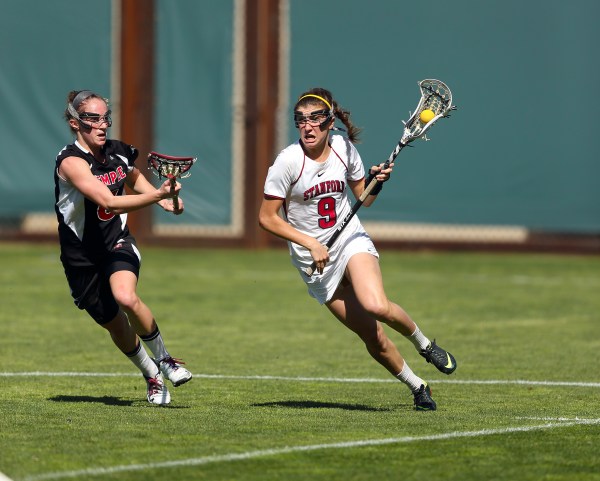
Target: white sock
<point>142,361</point>
<point>155,343</point>
<point>418,339</point>
<point>409,378</point>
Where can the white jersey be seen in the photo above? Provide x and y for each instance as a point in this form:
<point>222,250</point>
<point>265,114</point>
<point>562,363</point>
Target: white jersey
<point>315,196</point>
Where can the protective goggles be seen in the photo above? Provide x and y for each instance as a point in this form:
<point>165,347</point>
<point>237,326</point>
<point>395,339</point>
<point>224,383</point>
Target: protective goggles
<point>95,120</point>
<point>315,119</point>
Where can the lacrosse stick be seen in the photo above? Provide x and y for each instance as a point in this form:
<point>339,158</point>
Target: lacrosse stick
<point>435,96</point>
<point>171,168</point>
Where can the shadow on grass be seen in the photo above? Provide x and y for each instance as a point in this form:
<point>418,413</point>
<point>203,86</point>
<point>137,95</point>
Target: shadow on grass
<point>109,401</point>
<point>319,405</point>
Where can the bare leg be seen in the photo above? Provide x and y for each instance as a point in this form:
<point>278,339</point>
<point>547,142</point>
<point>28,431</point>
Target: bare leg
<point>365,275</point>
<point>346,308</point>
<point>123,285</point>
<point>125,338</point>
<point>121,332</point>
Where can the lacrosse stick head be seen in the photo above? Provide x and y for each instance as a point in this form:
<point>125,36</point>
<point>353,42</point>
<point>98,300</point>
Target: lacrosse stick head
<point>435,96</point>
<point>170,167</point>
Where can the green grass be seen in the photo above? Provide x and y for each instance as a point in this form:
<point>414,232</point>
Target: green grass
<point>270,365</point>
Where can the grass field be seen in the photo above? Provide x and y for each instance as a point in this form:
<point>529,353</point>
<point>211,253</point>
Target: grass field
<point>283,392</point>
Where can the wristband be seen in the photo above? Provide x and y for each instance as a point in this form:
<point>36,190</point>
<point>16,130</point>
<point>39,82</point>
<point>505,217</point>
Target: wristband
<point>379,185</point>
<point>376,189</point>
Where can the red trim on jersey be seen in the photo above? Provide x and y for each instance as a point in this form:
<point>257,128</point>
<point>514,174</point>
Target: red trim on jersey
<point>301,170</point>
<point>338,156</point>
<point>274,197</point>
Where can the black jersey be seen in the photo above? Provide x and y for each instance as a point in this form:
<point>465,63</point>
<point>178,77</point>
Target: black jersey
<point>86,230</point>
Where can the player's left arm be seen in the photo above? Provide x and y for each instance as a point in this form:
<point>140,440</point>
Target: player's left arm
<point>140,185</point>
<point>358,186</point>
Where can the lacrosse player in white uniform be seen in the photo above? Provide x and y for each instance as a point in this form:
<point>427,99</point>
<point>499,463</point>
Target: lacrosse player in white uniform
<point>309,181</point>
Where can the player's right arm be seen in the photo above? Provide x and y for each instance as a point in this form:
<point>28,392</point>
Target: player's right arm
<point>77,172</point>
<point>270,220</point>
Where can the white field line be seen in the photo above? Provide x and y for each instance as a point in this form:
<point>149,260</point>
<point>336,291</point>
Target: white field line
<point>309,379</point>
<point>225,458</point>
<point>3,477</point>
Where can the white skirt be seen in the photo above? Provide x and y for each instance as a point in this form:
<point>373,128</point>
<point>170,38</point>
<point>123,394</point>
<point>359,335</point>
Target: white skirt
<point>323,286</point>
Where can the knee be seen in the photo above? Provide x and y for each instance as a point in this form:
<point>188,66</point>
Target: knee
<point>128,300</point>
<point>378,308</point>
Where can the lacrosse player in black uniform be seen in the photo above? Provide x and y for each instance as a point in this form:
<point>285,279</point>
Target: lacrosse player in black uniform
<point>99,255</point>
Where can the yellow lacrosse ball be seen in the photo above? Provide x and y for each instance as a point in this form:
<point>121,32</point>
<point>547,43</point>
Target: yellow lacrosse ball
<point>427,116</point>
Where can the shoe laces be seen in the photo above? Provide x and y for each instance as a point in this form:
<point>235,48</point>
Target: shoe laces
<point>173,362</point>
<point>431,350</point>
<point>154,385</point>
<point>422,389</point>
<point>423,394</point>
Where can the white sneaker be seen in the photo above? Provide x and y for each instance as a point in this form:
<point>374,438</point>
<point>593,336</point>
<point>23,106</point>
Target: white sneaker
<point>157,391</point>
<point>174,371</point>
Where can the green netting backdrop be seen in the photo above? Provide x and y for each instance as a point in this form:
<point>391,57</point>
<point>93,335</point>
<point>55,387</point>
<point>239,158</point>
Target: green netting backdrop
<point>521,150</point>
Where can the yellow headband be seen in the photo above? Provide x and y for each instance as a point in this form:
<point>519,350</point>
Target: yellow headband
<point>317,97</point>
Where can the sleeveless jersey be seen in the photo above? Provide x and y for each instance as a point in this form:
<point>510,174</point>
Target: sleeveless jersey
<point>86,230</point>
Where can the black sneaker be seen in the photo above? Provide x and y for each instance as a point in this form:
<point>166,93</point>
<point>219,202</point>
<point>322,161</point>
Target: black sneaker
<point>441,359</point>
<point>423,401</point>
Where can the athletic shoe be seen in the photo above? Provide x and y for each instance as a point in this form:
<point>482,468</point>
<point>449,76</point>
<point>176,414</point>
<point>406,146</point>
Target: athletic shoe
<point>423,401</point>
<point>157,391</point>
<point>441,359</point>
<point>174,371</point>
